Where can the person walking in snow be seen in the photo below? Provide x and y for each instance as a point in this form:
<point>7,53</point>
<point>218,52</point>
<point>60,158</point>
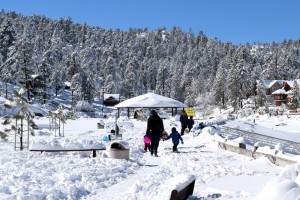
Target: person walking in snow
<point>175,139</point>
<point>155,128</point>
<point>147,142</point>
<point>190,123</point>
<point>184,121</point>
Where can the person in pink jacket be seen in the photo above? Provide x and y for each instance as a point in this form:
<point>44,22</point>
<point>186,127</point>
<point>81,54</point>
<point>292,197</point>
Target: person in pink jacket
<point>147,142</point>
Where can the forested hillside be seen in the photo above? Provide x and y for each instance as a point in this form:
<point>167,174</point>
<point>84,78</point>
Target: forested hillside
<point>173,63</point>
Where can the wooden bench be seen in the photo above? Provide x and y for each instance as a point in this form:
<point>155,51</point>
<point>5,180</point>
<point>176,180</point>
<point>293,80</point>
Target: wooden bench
<point>182,192</point>
<point>66,150</point>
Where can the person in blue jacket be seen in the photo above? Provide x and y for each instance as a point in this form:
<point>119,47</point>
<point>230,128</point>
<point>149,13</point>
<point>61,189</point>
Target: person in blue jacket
<point>199,127</point>
<point>175,139</point>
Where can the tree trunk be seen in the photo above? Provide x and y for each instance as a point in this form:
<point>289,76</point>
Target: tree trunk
<point>6,91</point>
<point>59,127</point>
<point>21,135</point>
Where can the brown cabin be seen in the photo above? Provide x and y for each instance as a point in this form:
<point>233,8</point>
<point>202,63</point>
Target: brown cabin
<point>279,97</point>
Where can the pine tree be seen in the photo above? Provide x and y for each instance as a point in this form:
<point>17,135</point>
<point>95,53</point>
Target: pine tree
<point>57,118</point>
<point>261,93</point>
<point>218,88</point>
<point>22,115</point>
<point>21,63</point>
<point>162,85</point>
<point>233,87</point>
<point>130,81</point>
<point>295,95</point>
<point>7,37</point>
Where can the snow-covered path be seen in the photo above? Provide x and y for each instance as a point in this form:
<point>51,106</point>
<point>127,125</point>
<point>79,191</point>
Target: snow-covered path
<point>202,159</point>
<point>219,174</point>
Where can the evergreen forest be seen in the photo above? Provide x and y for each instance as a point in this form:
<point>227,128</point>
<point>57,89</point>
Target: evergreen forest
<point>182,65</point>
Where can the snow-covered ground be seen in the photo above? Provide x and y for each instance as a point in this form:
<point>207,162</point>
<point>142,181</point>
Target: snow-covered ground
<point>219,174</point>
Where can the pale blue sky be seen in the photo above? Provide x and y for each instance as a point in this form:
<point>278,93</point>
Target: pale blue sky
<point>236,21</point>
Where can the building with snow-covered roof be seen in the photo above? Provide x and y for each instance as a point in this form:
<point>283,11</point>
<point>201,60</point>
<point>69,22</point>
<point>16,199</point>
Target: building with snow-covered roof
<point>272,85</point>
<point>289,85</point>
<point>111,99</point>
<point>279,90</point>
<point>279,97</point>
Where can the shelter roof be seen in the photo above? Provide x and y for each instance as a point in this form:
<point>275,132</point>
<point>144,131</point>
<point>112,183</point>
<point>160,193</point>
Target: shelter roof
<point>151,100</point>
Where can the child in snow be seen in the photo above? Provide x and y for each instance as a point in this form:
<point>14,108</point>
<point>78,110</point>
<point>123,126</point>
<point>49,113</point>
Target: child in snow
<point>165,134</point>
<point>147,142</point>
<point>175,139</point>
<point>199,127</point>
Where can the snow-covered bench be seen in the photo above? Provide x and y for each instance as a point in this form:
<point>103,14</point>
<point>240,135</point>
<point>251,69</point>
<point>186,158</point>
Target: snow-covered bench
<point>67,146</point>
<point>66,150</point>
<point>183,187</point>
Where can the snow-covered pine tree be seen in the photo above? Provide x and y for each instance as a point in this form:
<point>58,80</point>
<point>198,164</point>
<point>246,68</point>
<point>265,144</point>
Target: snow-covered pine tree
<point>73,65</point>
<point>57,118</point>
<point>110,69</point>
<point>295,95</point>
<point>261,97</point>
<point>76,87</point>
<point>177,92</point>
<point>7,37</point>
<point>22,64</point>
<point>89,85</point>
<point>130,80</point>
<point>58,72</point>
<point>234,86</point>
<point>219,86</point>
<point>162,87</point>
<point>22,115</point>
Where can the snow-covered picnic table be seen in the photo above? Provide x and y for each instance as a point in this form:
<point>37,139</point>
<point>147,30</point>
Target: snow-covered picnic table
<point>56,145</point>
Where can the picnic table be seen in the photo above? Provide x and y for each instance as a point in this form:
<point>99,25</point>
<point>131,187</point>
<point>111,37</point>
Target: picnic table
<point>94,150</point>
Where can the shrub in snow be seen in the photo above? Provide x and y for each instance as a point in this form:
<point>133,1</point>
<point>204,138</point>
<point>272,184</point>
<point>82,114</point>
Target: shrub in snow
<point>84,106</point>
<point>261,110</point>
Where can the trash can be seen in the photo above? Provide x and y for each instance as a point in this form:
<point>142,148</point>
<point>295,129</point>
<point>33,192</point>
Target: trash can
<point>119,150</point>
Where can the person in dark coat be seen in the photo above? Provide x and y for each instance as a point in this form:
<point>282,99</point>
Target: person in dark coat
<point>175,139</point>
<point>136,115</point>
<point>155,128</point>
<point>184,121</point>
<point>190,123</point>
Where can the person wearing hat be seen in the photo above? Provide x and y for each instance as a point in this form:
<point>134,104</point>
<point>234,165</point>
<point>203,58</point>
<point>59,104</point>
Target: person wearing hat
<point>155,128</point>
<point>175,139</point>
